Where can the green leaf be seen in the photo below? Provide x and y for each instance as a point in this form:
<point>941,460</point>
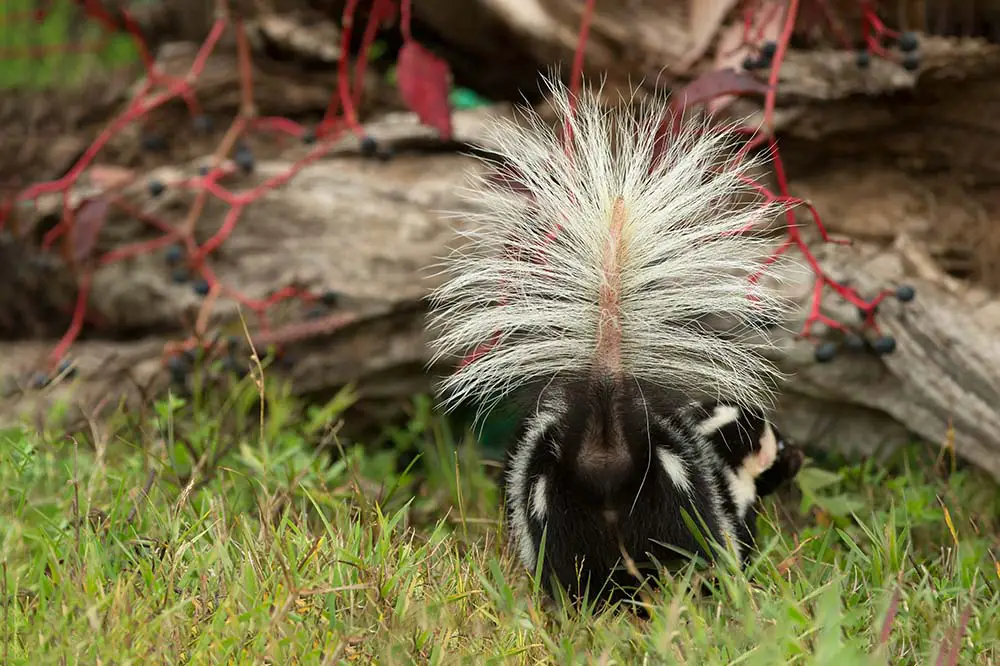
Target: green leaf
<point>320,417</point>
<point>839,506</point>
<point>811,479</point>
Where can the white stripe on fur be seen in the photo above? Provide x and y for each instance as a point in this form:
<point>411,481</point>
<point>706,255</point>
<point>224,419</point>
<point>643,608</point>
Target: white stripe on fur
<point>539,499</point>
<point>720,418</point>
<point>517,478</point>
<point>675,468</point>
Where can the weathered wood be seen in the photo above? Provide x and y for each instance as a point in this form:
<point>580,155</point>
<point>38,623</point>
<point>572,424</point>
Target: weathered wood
<point>944,371</point>
<point>371,230</point>
<point>858,144</point>
<point>367,229</point>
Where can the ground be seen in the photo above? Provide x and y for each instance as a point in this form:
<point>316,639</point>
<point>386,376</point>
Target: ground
<point>250,546</point>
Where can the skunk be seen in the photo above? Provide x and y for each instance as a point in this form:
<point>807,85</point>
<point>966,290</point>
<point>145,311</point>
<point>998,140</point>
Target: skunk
<point>607,281</point>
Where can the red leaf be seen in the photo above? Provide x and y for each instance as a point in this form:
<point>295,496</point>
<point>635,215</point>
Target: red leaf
<point>384,11</point>
<point>87,224</point>
<point>424,81</point>
<point>714,84</point>
<point>703,90</point>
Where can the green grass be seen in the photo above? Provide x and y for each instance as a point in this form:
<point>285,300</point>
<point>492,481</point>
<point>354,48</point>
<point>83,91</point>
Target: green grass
<point>250,548</point>
<point>63,49</point>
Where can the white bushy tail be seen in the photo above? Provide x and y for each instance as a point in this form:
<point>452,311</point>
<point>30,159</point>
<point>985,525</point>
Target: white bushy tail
<point>608,258</point>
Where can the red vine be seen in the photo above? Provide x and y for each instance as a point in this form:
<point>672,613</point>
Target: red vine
<point>156,90</point>
<point>424,81</point>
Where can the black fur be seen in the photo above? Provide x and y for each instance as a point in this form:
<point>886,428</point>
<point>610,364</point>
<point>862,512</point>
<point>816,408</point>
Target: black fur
<point>581,545</point>
<point>583,549</point>
<point>741,438</point>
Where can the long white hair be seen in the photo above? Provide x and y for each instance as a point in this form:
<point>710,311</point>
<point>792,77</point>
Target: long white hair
<point>613,250</point>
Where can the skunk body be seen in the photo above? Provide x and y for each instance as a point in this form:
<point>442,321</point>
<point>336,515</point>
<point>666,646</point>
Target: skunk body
<point>587,293</point>
<point>592,513</point>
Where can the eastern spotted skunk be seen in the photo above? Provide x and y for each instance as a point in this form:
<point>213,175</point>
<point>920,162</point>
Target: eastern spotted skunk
<point>588,294</point>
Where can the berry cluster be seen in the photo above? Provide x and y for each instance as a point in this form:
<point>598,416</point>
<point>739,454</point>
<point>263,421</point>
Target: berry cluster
<point>227,355</point>
<point>39,380</point>
<point>769,55</point>
<point>909,47</point>
<point>856,339</point>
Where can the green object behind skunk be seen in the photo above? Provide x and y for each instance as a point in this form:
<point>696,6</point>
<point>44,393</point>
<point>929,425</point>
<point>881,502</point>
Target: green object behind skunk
<point>494,432</point>
<point>463,98</point>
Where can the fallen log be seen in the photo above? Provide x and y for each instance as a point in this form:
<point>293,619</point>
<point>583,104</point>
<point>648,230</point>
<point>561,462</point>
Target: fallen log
<point>856,142</point>
<point>370,230</point>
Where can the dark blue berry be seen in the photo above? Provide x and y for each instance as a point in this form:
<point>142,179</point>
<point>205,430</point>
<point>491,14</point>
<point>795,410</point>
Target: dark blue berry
<point>905,293</point>
<point>200,287</point>
<point>66,368</point>
<point>244,159</point>
<point>768,49</point>
<point>863,59</point>
<point>908,41</point>
<point>750,63</point>
<point>911,62</point>
<point>316,312</point>
<point>178,368</point>
<point>203,124</point>
<point>330,298</point>
<point>174,254</point>
<point>854,342</point>
<point>156,188</point>
<point>883,345</point>
<point>39,380</point>
<point>153,143</point>
<point>180,275</point>
<point>203,170</point>
<point>386,154</point>
<point>309,137</point>
<point>369,146</point>
<point>825,352</point>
